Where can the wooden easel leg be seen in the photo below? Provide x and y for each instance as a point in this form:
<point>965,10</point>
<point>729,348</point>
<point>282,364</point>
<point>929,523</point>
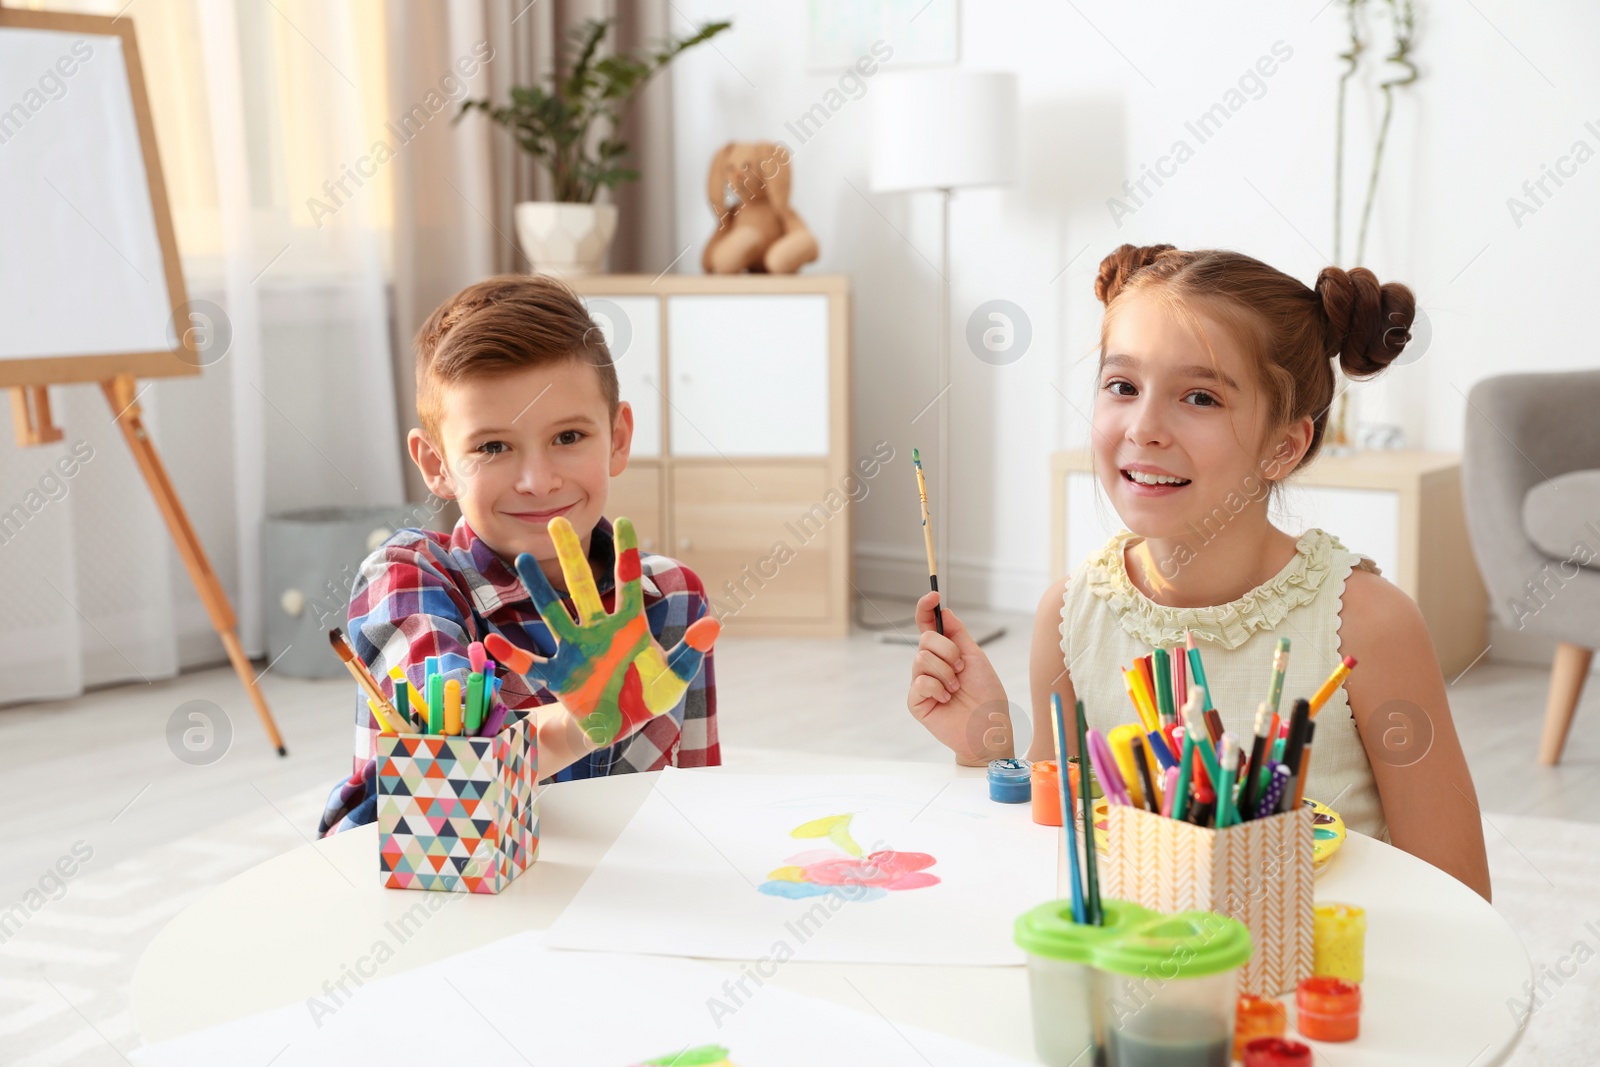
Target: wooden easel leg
<point>120,394</point>
<point>30,416</point>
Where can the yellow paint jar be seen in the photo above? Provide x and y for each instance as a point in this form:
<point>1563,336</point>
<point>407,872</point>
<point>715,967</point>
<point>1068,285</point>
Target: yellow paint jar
<point>1339,939</point>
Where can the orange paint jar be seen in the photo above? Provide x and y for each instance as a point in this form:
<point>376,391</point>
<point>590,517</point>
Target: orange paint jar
<point>1257,1017</point>
<point>1328,1009</point>
<point>1046,786</point>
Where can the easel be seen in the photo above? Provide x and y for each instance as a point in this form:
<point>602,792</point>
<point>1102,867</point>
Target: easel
<point>117,371</point>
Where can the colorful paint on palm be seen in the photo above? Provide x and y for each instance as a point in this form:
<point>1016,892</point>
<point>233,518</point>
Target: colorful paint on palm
<point>608,670</point>
<point>853,875</point>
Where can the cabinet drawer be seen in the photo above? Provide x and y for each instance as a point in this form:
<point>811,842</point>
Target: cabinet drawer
<point>749,375</point>
<point>631,326</point>
<point>761,537</point>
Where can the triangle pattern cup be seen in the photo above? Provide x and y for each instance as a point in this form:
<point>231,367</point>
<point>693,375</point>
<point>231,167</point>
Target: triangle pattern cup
<point>457,814</point>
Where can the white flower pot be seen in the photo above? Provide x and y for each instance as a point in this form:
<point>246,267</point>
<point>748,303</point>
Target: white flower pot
<point>565,239</point>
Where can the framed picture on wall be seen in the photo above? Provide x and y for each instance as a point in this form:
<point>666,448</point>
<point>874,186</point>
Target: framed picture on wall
<point>920,32</point>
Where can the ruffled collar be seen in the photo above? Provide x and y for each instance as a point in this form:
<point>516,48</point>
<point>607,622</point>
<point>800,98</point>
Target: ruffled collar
<point>1228,625</point>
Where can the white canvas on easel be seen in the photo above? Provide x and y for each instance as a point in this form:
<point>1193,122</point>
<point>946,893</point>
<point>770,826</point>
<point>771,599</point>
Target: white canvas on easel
<point>91,285</point>
<point>88,213</point>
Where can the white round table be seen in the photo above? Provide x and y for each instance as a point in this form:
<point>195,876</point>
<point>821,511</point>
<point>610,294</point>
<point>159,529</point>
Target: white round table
<point>1444,973</point>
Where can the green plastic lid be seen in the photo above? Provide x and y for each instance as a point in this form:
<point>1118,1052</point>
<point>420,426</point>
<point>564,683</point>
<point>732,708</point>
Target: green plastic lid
<point>1048,930</point>
<point>1190,944</point>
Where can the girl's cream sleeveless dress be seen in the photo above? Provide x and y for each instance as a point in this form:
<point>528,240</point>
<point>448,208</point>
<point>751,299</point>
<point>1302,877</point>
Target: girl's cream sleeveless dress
<point>1106,622</point>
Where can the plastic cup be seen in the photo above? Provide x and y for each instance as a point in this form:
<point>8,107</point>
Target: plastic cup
<point>1063,985</point>
<point>1170,989</point>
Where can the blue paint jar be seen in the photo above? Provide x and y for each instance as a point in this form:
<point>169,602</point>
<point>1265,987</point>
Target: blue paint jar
<point>1009,781</point>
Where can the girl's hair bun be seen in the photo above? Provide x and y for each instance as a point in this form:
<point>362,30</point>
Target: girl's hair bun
<point>1368,324</point>
<point>1119,266</point>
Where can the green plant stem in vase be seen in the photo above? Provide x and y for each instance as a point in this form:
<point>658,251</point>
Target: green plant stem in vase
<point>570,128</point>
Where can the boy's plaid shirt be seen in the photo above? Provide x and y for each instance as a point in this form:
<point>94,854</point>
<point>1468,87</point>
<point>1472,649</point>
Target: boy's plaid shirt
<point>423,593</point>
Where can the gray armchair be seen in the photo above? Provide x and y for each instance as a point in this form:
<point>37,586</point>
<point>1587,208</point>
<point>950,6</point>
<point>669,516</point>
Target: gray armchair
<point>1531,480</point>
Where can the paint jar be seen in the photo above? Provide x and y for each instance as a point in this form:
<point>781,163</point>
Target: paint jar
<point>1047,791</point>
<point>1094,783</point>
<point>1046,788</point>
<point>1328,1009</point>
<point>1257,1017</point>
<point>1276,1052</point>
<point>1170,989</point>
<point>1062,984</point>
<point>1009,781</point>
<point>1339,938</point>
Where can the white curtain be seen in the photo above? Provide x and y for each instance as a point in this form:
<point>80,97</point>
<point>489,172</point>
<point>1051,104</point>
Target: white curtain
<point>263,113</point>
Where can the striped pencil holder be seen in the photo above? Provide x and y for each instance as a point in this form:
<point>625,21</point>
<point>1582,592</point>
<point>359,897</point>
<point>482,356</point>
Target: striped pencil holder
<point>457,814</point>
<point>1258,872</point>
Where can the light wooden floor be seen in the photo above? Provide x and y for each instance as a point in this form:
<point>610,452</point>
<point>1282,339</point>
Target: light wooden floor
<point>98,768</point>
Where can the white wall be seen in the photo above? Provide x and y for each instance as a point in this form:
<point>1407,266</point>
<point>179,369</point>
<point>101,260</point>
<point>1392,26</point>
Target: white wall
<point>1505,89</point>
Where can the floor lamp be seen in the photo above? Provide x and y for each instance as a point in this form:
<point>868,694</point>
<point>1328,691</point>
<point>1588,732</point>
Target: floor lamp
<point>938,131</point>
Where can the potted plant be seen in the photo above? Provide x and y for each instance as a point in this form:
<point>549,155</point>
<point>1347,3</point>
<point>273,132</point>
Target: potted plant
<point>571,129</point>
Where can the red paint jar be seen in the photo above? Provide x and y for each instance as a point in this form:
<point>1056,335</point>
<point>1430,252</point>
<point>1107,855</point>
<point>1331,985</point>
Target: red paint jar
<point>1276,1052</point>
<point>1328,1009</point>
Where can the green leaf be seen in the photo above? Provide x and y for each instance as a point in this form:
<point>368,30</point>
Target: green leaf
<point>554,124</point>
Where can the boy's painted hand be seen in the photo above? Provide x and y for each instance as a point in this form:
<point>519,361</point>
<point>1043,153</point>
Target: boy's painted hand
<point>608,670</point>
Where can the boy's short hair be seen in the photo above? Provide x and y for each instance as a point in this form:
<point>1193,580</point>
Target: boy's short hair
<point>502,324</point>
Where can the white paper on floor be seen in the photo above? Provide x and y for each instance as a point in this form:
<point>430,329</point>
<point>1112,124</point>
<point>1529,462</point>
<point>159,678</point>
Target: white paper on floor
<point>884,870</point>
<point>517,1003</point>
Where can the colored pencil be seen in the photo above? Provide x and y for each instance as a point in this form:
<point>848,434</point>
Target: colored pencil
<point>1305,767</point>
<point>1152,799</point>
<point>1250,787</point>
<point>1163,683</point>
<point>1197,670</point>
<point>1180,677</point>
<point>1294,749</point>
<point>1280,665</point>
<point>1131,682</point>
<point>1185,775</point>
<point>1193,722</point>
<point>1331,686</point>
<point>927,537</point>
<point>1230,759</point>
<point>1147,679</point>
<point>1069,822</point>
<point>1164,755</point>
<point>1091,873</point>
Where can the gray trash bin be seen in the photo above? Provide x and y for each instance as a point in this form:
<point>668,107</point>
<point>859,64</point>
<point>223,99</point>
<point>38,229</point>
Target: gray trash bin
<point>311,559</point>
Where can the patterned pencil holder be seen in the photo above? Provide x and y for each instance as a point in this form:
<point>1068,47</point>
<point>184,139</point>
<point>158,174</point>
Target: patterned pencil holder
<point>1258,872</point>
<point>457,814</point>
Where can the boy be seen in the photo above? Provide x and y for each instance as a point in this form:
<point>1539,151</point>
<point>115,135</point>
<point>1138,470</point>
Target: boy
<point>521,423</point>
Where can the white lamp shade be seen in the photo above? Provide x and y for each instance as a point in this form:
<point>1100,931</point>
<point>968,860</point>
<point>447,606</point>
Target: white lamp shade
<point>943,129</point>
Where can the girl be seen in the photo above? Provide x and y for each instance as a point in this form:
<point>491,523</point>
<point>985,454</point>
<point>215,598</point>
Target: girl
<point>1215,381</point>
